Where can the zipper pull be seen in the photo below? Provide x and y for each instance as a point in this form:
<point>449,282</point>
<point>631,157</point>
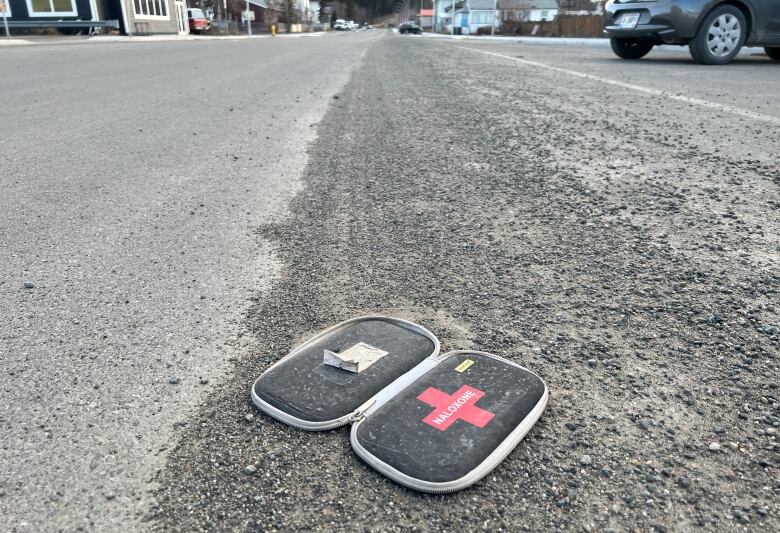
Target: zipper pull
<point>358,414</point>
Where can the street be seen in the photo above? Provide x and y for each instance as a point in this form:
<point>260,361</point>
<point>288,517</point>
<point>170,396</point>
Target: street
<point>176,216</point>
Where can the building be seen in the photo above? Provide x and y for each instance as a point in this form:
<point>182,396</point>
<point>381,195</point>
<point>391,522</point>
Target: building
<point>425,20</point>
<point>145,17</point>
<point>135,17</point>
<point>41,13</point>
<point>528,10</point>
<point>470,16</point>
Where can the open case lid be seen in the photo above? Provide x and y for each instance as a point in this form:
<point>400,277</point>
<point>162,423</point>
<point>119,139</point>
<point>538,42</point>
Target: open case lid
<point>452,424</point>
<point>303,391</point>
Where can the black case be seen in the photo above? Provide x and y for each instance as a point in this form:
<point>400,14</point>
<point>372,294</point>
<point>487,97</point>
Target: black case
<point>435,423</point>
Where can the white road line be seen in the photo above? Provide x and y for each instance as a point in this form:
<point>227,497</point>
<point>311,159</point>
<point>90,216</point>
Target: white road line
<point>639,88</point>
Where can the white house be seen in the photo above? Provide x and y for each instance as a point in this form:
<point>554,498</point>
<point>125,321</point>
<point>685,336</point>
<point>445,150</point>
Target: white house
<point>470,15</point>
<point>529,10</point>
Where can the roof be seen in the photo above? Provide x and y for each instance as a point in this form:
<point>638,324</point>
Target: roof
<point>527,5</point>
<point>458,5</point>
<point>480,4</point>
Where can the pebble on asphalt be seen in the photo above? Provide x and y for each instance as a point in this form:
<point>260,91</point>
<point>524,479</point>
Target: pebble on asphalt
<point>250,469</point>
<point>173,380</point>
<point>714,447</point>
<point>249,417</point>
<point>585,460</point>
<point>28,285</point>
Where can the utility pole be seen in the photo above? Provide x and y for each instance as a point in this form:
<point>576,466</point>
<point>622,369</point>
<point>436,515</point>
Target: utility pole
<point>493,25</point>
<point>452,19</point>
<point>248,22</point>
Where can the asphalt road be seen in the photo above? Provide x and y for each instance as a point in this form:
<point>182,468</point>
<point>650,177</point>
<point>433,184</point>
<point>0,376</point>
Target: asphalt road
<point>134,178</point>
<point>613,226</point>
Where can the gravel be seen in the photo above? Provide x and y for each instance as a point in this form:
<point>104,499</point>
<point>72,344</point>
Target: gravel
<point>608,241</point>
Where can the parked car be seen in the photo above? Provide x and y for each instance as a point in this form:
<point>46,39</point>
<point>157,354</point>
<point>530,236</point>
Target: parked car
<point>714,30</point>
<point>197,20</point>
<point>341,25</point>
<point>409,27</point>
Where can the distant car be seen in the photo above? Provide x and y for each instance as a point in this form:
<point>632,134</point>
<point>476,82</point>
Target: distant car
<point>197,20</point>
<point>409,27</point>
<point>341,25</point>
<point>714,30</point>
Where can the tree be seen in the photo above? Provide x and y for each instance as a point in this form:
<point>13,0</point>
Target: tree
<point>322,14</point>
<point>289,10</point>
<point>333,17</point>
<point>350,10</point>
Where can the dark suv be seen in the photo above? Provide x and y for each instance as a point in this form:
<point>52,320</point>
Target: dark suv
<point>715,30</point>
<point>409,27</point>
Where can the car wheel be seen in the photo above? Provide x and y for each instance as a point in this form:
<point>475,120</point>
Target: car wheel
<point>720,36</point>
<point>773,53</point>
<point>630,48</point>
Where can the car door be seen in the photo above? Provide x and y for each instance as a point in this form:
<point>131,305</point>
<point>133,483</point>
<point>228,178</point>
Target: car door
<point>767,20</point>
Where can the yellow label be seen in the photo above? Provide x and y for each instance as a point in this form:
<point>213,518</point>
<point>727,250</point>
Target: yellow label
<point>464,365</point>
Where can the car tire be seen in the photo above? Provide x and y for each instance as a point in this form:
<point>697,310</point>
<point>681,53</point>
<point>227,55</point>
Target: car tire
<point>720,36</point>
<point>630,48</point>
<point>773,53</point>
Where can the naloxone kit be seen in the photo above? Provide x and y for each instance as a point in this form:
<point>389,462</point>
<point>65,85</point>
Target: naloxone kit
<point>431,422</point>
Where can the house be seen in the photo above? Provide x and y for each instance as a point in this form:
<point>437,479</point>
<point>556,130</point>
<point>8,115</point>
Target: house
<point>476,14</point>
<point>75,14</point>
<point>528,10</point>
<point>442,14</point>
<point>132,17</point>
<point>263,15</point>
<point>425,20</point>
<point>144,17</point>
<point>470,15</point>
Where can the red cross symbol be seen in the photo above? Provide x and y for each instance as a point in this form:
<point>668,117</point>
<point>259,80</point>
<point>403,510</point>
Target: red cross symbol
<point>458,406</point>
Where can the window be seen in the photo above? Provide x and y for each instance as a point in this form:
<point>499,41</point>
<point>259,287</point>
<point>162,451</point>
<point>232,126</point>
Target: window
<point>545,15</point>
<point>482,17</point>
<point>51,8</point>
<point>150,8</point>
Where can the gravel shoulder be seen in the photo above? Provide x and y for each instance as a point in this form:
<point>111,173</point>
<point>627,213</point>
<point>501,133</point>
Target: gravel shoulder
<point>620,246</point>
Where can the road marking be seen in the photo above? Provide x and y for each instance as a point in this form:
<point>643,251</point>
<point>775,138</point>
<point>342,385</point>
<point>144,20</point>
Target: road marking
<point>639,88</point>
